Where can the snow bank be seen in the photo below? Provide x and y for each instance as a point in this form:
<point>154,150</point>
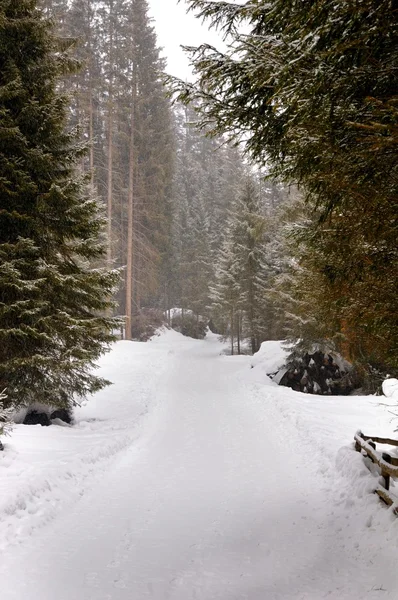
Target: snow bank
<point>270,358</point>
<point>49,469</point>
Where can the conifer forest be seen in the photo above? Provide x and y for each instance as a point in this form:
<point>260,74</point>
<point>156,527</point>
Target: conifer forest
<point>198,292</point>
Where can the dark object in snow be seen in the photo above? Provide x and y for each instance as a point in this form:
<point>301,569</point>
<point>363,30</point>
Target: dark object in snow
<point>62,414</point>
<point>1,446</point>
<point>35,418</point>
<point>317,373</point>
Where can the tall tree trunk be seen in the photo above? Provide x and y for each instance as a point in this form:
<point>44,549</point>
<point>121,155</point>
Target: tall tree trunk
<point>110,144</point>
<point>91,104</point>
<point>110,185</point>
<point>251,310</point>
<point>130,225</point>
<point>91,134</point>
<point>238,330</point>
<point>232,331</point>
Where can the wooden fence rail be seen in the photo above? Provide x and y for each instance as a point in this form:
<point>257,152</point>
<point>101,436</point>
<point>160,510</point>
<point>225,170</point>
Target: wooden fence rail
<point>388,464</point>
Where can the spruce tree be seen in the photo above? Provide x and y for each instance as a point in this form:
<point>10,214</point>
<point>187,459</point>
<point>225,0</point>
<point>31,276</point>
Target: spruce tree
<point>52,304</point>
<point>240,294</point>
<point>251,262</point>
<point>225,293</point>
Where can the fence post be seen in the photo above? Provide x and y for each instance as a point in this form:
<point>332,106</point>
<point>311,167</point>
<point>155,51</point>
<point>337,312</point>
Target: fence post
<point>372,445</point>
<point>387,458</point>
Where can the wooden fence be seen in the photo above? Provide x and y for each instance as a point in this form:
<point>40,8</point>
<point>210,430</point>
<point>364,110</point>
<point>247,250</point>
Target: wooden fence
<point>387,463</point>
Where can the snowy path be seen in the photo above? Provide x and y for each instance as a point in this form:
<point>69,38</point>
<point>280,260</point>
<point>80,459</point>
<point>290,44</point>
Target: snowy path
<point>214,494</point>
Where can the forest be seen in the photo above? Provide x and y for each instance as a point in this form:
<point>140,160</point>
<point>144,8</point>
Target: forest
<point>260,199</point>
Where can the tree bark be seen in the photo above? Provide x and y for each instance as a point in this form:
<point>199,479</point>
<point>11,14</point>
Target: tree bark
<point>110,147</point>
<point>130,226</point>
<point>238,330</point>
<point>232,331</point>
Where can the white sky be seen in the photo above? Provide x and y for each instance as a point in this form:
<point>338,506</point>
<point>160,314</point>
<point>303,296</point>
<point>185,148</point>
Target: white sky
<point>175,28</point>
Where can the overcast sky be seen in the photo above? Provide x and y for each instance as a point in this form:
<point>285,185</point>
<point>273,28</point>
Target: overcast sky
<point>175,28</point>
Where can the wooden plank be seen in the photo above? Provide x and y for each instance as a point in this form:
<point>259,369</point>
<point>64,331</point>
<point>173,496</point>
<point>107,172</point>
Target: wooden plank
<point>376,456</point>
<point>387,498</point>
<point>384,495</point>
<point>379,440</point>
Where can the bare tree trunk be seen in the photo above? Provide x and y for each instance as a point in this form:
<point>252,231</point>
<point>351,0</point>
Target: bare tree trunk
<point>91,104</point>
<point>110,185</point>
<point>130,226</point>
<point>238,330</point>
<point>91,134</point>
<point>232,331</point>
<point>110,149</point>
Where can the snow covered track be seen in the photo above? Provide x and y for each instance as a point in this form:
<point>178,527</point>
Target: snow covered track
<point>198,479</point>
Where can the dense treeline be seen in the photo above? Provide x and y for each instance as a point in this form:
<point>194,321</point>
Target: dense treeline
<point>312,90</point>
<point>119,101</point>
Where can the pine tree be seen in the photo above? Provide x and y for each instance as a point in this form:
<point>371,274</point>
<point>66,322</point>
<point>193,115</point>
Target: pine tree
<point>52,304</point>
<point>240,295</point>
<point>252,268</point>
<point>225,293</point>
<point>150,153</point>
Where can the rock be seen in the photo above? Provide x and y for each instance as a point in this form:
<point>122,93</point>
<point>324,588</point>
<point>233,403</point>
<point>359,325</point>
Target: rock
<point>35,418</point>
<point>1,446</point>
<point>62,414</point>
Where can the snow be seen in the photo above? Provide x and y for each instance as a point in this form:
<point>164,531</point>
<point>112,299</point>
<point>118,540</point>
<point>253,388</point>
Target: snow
<point>178,312</point>
<point>195,476</point>
<point>270,358</point>
<point>390,388</point>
